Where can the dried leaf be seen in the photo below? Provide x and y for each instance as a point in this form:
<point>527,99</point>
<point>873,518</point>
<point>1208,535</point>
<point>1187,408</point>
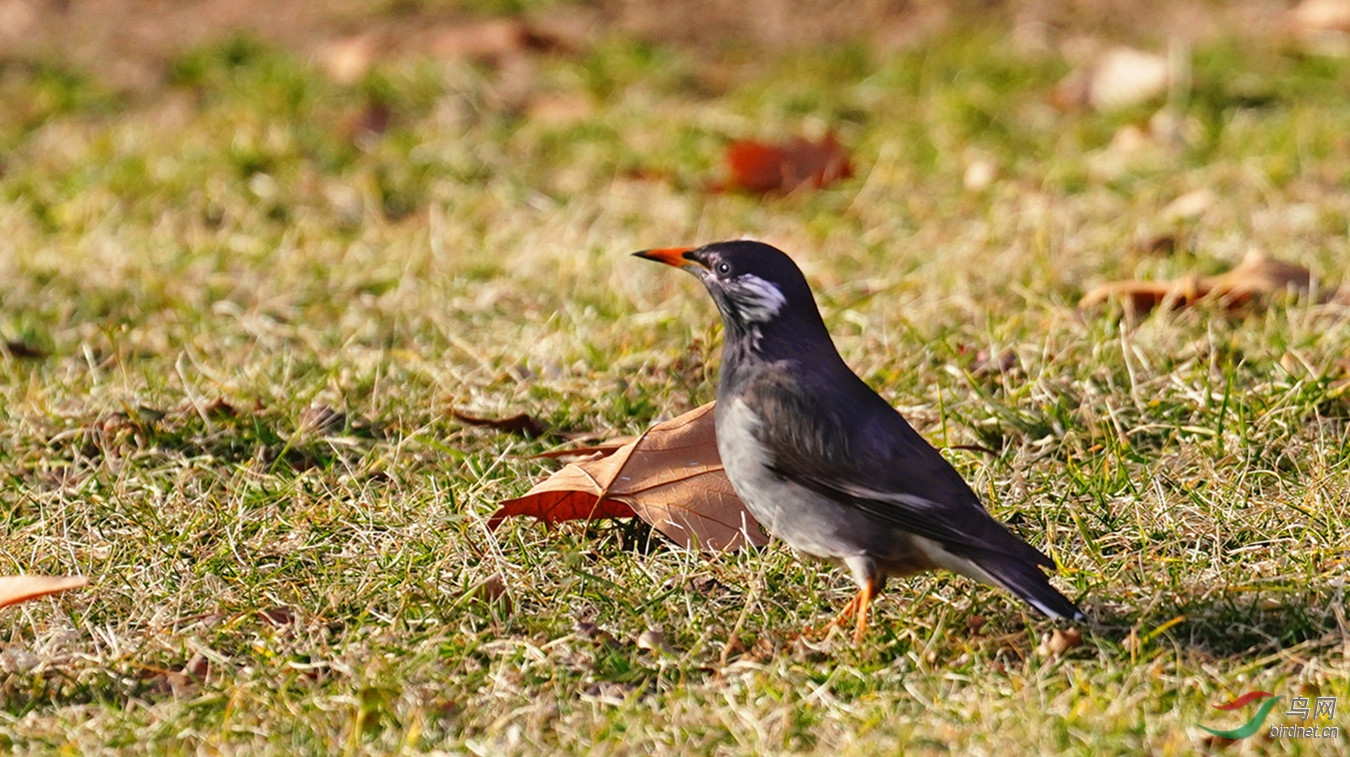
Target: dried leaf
<point>705,585</point>
<point>1161,245</point>
<point>523,424</point>
<point>612,693</point>
<point>492,39</point>
<point>1320,16</point>
<point>1056,643</point>
<point>570,494</point>
<point>1255,277</point>
<point>670,477</point>
<point>217,410</point>
<point>280,616</point>
<point>347,60</point>
<point>322,420</point>
<point>980,173</point>
<point>16,589</point>
<point>560,108</point>
<point>198,668</point>
<point>492,591</point>
<point>1118,77</point>
<point>1190,206</point>
<point>655,642</point>
<point>762,167</point>
<point>592,632</point>
<point>606,447</point>
<point>986,364</point>
<point>364,125</point>
<point>24,350</point>
<point>181,683</point>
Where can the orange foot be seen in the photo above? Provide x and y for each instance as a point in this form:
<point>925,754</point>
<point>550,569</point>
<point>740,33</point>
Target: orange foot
<point>858,606</point>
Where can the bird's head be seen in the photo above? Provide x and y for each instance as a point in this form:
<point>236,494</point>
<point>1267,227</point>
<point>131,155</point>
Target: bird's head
<point>762,295</point>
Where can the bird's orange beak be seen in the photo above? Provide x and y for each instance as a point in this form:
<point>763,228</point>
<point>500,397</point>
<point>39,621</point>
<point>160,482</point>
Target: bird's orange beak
<point>673,256</point>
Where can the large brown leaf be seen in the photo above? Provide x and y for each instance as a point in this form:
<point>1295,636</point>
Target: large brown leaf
<point>16,589</point>
<point>670,477</point>
<point>1255,277</point>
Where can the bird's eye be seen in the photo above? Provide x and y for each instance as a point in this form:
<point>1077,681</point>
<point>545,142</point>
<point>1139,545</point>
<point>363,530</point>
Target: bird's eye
<point>723,269</point>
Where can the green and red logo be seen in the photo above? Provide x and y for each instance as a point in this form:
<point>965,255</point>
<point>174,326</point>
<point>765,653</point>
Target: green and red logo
<point>1251,726</point>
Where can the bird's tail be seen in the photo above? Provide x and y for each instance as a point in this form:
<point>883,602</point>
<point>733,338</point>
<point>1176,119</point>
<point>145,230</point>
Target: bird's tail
<point>1027,581</point>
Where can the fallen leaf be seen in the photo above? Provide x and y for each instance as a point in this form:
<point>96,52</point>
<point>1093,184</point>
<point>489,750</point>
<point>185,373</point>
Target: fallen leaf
<point>181,683</point>
<point>322,420</point>
<point>24,350</point>
<point>523,424</point>
<point>705,585</point>
<point>1258,274</point>
<point>986,364</point>
<point>560,109</point>
<point>198,668</point>
<point>655,642</point>
<point>1255,277</point>
<point>363,126</point>
<point>279,616</point>
<point>612,693</point>
<point>347,60</point>
<point>492,591</point>
<point>1190,206</point>
<point>570,494</point>
<point>1319,16</point>
<point>1161,245</point>
<point>217,410</point>
<point>606,447</point>
<point>483,40</point>
<point>16,589</point>
<point>1059,641</point>
<point>670,477</point>
<point>783,167</point>
<point>1117,78</point>
<point>592,632</point>
<point>980,173</point>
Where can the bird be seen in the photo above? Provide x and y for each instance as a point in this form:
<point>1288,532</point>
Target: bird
<point>823,462</point>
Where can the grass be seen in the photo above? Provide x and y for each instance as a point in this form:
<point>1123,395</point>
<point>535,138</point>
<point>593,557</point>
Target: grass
<point>256,317</point>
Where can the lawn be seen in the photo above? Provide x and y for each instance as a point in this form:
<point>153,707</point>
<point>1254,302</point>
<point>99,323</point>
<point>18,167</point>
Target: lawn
<point>242,305</point>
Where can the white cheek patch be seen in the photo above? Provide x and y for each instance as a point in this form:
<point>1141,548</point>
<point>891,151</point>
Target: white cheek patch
<point>756,299</point>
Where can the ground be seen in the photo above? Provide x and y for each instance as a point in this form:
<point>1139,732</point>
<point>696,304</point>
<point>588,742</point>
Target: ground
<point>253,258</point>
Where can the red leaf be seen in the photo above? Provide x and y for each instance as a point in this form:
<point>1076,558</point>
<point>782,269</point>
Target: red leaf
<point>783,167</point>
<point>670,477</point>
<point>554,507</point>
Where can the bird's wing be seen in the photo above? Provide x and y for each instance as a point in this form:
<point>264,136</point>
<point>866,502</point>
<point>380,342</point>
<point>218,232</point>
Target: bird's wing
<point>865,455</point>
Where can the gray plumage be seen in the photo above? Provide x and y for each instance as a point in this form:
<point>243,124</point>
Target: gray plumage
<point>825,463</point>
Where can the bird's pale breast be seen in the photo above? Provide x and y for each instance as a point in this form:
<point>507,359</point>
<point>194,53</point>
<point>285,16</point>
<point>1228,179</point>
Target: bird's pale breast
<point>803,519</point>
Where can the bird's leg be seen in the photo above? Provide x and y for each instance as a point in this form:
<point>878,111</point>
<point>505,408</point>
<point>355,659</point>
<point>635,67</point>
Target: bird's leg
<point>839,620</point>
<point>863,602</point>
<point>845,613</point>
